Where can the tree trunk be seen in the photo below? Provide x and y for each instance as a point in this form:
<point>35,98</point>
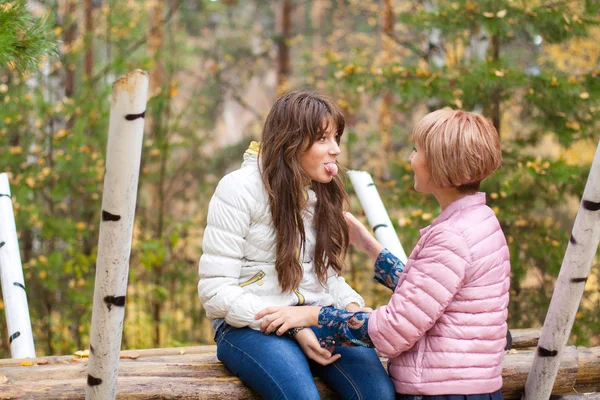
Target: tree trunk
<point>385,114</point>
<point>569,288</point>
<point>497,91</point>
<point>69,39</point>
<point>88,61</point>
<point>195,373</point>
<point>284,30</point>
<point>124,149</point>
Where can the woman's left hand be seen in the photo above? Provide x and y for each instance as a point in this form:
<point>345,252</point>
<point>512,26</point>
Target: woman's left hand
<point>281,319</point>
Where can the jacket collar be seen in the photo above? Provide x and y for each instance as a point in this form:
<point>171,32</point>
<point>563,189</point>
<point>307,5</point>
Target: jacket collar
<point>476,199</point>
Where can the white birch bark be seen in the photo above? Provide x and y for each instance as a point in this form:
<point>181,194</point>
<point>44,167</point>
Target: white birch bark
<point>13,284</point>
<point>376,213</point>
<point>126,129</point>
<point>569,288</point>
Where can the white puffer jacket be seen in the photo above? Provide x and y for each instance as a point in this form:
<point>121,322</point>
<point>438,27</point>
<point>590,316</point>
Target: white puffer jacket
<point>237,267</point>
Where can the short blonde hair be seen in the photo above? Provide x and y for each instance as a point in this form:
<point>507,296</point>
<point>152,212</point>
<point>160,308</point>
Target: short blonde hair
<point>461,148</point>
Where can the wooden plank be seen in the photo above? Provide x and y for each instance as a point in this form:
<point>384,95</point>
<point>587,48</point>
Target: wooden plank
<point>197,374</point>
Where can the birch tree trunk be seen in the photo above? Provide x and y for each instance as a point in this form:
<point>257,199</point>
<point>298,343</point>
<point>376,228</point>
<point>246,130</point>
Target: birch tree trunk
<point>435,51</point>
<point>569,288</point>
<point>126,130</point>
<point>13,284</point>
<point>376,214</point>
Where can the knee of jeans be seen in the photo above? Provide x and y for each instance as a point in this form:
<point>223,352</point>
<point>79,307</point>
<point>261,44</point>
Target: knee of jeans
<point>384,390</point>
<point>301,390</point>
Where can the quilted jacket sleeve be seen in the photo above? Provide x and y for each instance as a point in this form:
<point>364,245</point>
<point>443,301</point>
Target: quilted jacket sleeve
<point>432,280</point>
<point>228,222</point>
<point>341,292</point>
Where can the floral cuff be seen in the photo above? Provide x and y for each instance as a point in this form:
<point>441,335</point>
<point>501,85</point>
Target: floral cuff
<point>343,328</point>
<point>388,268</point>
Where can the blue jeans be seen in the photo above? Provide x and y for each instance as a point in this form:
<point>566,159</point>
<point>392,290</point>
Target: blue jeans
<point>276,368</point>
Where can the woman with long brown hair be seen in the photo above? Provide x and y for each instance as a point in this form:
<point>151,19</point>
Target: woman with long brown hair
<point>276,236</point>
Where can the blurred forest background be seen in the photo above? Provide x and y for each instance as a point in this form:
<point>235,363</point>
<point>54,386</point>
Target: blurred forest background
<point>531,66</point>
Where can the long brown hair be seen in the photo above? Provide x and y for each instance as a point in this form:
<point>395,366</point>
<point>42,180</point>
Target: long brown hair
<point>296,121</point>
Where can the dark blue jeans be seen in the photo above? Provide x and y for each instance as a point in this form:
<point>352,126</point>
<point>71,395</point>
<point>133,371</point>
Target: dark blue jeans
<point>276,368</point>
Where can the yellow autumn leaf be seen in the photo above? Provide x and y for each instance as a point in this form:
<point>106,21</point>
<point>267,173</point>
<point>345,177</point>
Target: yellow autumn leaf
<point>499,73</point>
<point>82,353</point>
<point>80,226</point>
<point>501,14</point>
<point>584,95</point>
<point>417,213</point>
<point>573,125</point>
<point>488,14</point>
<point>26,364</point>
<point>494,195</point>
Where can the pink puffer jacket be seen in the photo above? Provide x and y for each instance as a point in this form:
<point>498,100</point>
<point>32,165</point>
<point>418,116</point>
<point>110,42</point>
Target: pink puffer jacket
<point>444,329</point>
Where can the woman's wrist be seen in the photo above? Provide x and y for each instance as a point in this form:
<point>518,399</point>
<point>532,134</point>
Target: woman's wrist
<point>374,248</point>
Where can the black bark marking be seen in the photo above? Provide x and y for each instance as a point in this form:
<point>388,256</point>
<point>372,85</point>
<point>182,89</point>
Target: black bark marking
<point>5,195</point>
<point>2,244</point>
<point>508,340</point>
<point>13,337</point>
<point>371,184</point>
<point>118,301</point>
<point>572,240</point>
<point>106,216</point>
<point>379,226</point>
<point>91,381</point>
<point>542,352</point>
<point>19,285</point>
<point>92,349</point>
<point>590,205</point>
<point>133,117</point>
<point>578,280</point>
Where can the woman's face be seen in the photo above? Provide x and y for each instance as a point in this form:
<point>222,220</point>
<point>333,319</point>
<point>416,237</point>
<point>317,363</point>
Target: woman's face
<point>422,177</point>
<point>318,162</point>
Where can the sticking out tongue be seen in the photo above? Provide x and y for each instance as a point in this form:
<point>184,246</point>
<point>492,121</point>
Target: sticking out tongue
<point>332,168</point>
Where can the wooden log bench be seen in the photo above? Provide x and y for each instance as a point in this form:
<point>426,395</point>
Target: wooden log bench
<point>195,373</point>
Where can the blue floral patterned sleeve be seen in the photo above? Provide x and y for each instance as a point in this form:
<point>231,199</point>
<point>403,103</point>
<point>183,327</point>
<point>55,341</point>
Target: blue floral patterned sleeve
<point>343,328</point>
<point>388,269</point>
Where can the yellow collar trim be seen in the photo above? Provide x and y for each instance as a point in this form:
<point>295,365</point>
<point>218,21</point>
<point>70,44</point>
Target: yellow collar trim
<point>254,148</point>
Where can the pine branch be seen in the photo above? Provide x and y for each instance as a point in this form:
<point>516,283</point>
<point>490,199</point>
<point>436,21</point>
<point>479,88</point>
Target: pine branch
<point>24,39</point>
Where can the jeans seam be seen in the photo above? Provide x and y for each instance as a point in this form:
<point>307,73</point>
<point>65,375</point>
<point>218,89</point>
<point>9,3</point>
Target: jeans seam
<point>358,393</point>
<point>258,364</point>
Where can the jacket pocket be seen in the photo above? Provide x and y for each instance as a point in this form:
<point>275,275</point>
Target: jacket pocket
<point>420,356</point>
<point>257,278</point>
<point>300,297</point>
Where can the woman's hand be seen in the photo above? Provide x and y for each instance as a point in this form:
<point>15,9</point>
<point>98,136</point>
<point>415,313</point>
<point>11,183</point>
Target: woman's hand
<point>310,346</point>
<point>361,238</point>
<point>284,318</point>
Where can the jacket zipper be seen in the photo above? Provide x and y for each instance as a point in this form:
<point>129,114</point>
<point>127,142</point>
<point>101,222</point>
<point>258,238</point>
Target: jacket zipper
<point>256,278</point>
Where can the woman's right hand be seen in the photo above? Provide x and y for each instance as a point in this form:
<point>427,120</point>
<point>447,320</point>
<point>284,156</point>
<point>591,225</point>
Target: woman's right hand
<point>309,344</point>
<point>361,238</point>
